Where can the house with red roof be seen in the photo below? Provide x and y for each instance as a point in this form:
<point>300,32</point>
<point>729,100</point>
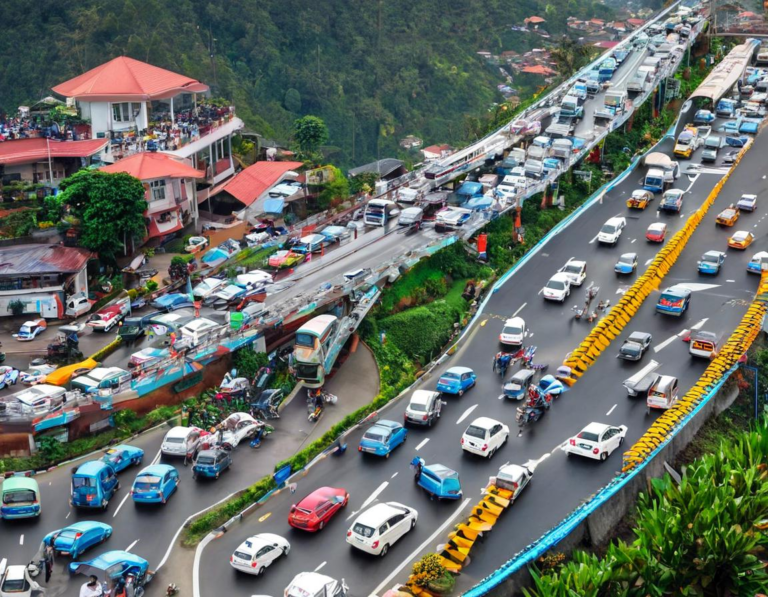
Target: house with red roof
<point>539,69</point>
<point>169,189</point>
<point>46,161</point>
<point>636,22</point>
<point>534,21</point>
<point>140,107</point>
<point>437,152</point>
<point>251,188</point>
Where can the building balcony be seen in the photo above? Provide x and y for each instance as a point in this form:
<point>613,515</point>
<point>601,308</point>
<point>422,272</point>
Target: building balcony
<point>164,223</point>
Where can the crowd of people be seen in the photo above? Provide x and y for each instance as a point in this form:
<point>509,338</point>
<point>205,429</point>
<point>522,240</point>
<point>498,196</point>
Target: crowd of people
<point>16,127</point>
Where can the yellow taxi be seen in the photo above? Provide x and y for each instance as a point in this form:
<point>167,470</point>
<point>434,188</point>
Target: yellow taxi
<point>639,199</point>
<point>728,216</point>
<point>741,240</point>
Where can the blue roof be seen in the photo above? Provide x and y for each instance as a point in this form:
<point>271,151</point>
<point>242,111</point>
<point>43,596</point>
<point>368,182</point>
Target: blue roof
<point>92,467</point>
<point>274,206</point>
<point>470,188</point>
<point>156,469</point>
<point>111,558</point>
<point>442,471</point>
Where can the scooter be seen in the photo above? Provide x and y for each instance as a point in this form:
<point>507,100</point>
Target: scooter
<point>263,432</point>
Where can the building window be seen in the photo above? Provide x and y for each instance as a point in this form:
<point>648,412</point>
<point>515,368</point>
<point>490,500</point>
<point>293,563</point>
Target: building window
<point>126,111</point>
<point>158,190</point>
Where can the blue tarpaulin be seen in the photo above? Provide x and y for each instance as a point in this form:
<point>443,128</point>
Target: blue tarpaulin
<point>274,206</point>
<point>470,189</point>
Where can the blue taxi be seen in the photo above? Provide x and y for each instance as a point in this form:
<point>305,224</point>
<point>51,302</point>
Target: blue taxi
<point>675,300</point>
<point>78,537</point>
<point>456,380</point>
<point>382,438</point>
<point>437,480</point>
<point>755,265</point>
<point>711,262</point>
<point>122,456</point>
<point>94,483</point>
<point>211,463</point>
<point>155,484</point>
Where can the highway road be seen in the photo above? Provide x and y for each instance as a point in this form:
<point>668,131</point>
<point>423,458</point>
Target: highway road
<point>560,484</point>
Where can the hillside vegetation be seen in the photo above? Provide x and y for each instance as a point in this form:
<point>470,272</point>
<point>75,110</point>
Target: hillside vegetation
<point>373,70</point>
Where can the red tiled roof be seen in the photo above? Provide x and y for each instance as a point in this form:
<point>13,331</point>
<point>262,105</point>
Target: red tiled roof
<point>605,44</point>
<point>535,19</point>
<point>538,70</point>
<point>24,151</point>
<point>251,183</point>
<point>635,22</point>
<point>22,260</point>
<point>128,79</point>
<point>437,148</point>
<point>150,165</point>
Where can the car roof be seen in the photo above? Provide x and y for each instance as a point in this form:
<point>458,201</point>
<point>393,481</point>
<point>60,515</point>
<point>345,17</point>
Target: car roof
<point>378,513</point>
<point>318,496</point>
<point>212,452</point>
<point>748,196</point>
<point>563,277</point>
<point>714,253</point>
<point>596,428</point>
<point>741,233</point>
<point>657,226</point>
<point>253,544</point>
<point>638,335</point>
<point>523,374</point>
<point>575,261</point>
<point>628,256</point>
<point>485,422</point>
<point>92,467</point>
<point>155,469</point>
<point>422,396</point>
<point>614,220</point>
<point>459,370</point>
<point>111,558</point>
<point>678,289</point>
<point>441,471</point>
<point>515,321</point>
<point>179,431</point>
<point>13,483</point>
<point>386,424</point>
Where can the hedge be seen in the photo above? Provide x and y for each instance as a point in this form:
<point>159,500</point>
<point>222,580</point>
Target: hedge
<point>103,353</point>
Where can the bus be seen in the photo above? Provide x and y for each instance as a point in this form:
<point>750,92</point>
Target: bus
<point>380,211</point>
<point>316,350</point>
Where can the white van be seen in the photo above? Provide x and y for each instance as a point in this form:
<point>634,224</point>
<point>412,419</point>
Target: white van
<point>312,243</point>
<point>181,441</point>
<point>197,329</point>
<point>377,529</point>
<point>103,381</point>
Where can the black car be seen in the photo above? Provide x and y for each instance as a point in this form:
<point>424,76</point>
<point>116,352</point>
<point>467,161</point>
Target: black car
<point>635,346</point>
<point>133,328</point>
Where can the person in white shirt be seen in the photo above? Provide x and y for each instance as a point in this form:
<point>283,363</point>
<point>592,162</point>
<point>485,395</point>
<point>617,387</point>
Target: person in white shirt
<point>92,588</point>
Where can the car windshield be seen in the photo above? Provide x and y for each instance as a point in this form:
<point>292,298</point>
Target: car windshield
<point>374,436</point>
<point>556,285</point>
<point>475,431</point>
<point>205,460</point>
<point>512,330</point>
<point>626,260</point>
<point>710,258</point>
<point>83,482</point>
<point>608,228</point>
<point>670,298</point>
<point>67,534</point>
<point>572,269</point>
<point>174,440</point>
<point>588,435</point>
<point>305,340</point>
<point>362,530</point>
<point>712,142</point>
<point>631,349</point>
<point>25,329</point>
<point>146,482</point>
<point>418,408</point>
<point>450,375</point>
<point>19,496</point>
<point>15,585</point>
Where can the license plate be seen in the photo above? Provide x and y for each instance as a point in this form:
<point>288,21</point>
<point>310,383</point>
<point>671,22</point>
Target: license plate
<point>585,446</point>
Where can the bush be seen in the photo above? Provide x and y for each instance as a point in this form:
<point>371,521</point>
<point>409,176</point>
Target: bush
<point>16,307</point>
<point>152,286</point>
<point>51,449</point>
<point>248,362</point>
<point>132,294</point>
<point>102,354</point>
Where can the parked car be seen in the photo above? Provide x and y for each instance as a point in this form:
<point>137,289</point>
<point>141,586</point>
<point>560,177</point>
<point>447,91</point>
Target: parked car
<point>730,156</point>
<point>484,437</point>
<point>112,566</point>
<point>283,259</point>
<point>181,441</point>
<point>513,332</point>
<point>741,240</point>
<point>336,233</point>
<point>211,463</point>
<point>122,456</point>
<point>675,300</point>
<point>656,232</point>
<point>207,287</point>
<point>576,270</point>
<point>195,244</point>
<point>747,202</point>
<point>315,511</point>
<point>634,346</point>
<point>171,302</point>
<point>596,440</point>
<point>8,376</point>
<point>382,438</point>
<point>558,288</point>
<point>611,231</point>
<point>424,408</point>
<point>755,265</point>
<point>237,427</point>
<point>626,264</point>
<point>257,553</point>
<point>711,262</point>
<point>78,537</point>
<point>728,216</point>
<point>36,374</point>
<point>456,380</point>
<point>381,526</point>
<point>30,330</point>
<point>15,581</point>
<point>155,484</point>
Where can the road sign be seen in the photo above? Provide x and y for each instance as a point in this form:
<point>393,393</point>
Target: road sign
<point>585,175</point>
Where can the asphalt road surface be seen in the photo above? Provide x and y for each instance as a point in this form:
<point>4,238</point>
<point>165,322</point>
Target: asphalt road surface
<point>560,483</point>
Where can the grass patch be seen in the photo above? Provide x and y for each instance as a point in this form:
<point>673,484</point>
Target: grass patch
<point>254,258</point>
<point>174,246</point>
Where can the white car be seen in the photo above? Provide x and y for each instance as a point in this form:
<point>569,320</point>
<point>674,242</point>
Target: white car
<point>237,427</point>
<point>558,288</point>
<point>513,331</point>
<point>253,278</point>
<point>15,581</point>
<point>484,437</point>
<point>314,584</point>
<point>747,202</point>
<point>596,440</point>
<point>611,231</point>
<point>576,270</point>
<point>256,553</point>
<point>379,528</point>
<point>207,287</point>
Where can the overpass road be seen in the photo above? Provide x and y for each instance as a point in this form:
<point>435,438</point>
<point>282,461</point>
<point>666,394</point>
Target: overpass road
<point>560,484</point>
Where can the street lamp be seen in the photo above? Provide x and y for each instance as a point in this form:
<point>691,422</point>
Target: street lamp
<point>754,371</point>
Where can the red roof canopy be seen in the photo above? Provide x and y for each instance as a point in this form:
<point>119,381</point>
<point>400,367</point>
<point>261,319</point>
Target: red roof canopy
<point>251,183</point>
<point>20,260</point>
<point>124,78</point>
<point>535,19</point>
<point>25,151</point>
<point>150,165</point>
<point>538,69</point>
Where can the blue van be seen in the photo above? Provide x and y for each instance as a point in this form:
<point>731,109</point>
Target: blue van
<point>437,480</point>
<point>21,498</point>
<point>94,483</point>
<point>155,484</point>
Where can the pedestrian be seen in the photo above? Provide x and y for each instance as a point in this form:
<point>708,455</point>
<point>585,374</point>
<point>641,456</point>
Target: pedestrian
<point>48,558</point>
<point>92,588</point>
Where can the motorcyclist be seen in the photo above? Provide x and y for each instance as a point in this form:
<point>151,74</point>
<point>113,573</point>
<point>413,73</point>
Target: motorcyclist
<point>319,400</point>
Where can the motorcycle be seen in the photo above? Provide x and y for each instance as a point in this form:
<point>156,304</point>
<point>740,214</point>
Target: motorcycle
<point>538,403</point>
<point>263,432</point>
<point>530,352</point>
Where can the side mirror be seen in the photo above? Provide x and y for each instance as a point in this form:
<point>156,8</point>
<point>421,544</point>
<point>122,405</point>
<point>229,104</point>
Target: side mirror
<point>293,508</point>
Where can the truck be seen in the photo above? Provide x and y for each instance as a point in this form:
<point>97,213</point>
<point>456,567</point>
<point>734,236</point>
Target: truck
<point>561,128</point>
<point>615,103</point>
<point>562,148</point>
<point>638,82</point>
<point>726,108</point>
<point>606,70</point>
<point>620,55</point>
<point>579,91</point>
<point>662,172</point>
<point>687,142</point>
<point>571,107</point>
<point>108,317</point>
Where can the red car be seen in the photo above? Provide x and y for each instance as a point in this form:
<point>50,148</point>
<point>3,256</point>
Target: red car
<point>656,232</point>
<point>314,511</point>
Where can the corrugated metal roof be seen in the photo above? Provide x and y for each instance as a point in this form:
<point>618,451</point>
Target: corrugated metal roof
<point>21,260</point>
<point>382,167</point>
<point>26,151</point>
<point>251,183</point>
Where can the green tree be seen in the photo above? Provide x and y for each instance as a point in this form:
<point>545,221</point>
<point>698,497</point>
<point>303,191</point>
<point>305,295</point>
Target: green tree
<point>569,56</point>
<point>309,133</point>
<point>51,449</point>
<point>110,208</point>
<point>363,183</point>
<point>334,192</point>
<point>292,100</point>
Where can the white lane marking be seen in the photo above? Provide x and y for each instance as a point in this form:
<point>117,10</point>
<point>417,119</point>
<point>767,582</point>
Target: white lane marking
<point>633,241</point>
<point>697,326</point>
<point>540,291</point>
<point>612,409</point>
<point>393,476</point>
<point>649,261</point>
<point>419,549</point>
<point>3,563</point>
<point>50,483</point>
<point>422,444</point>
<point>68,513</point>
<point>320,567</point>
<point>594,239</point>
<point>375,494</point>
<point>196,564</point>
<point>696,287</point>
<point>127,495</point>
<point>157,457</point>
<point>731,281</point>
<point>466,413</point>
<point>132,545</point>
<point>682,216</point>
<point>520,309</point>
<point>21,540</point>
<point>664,344</point>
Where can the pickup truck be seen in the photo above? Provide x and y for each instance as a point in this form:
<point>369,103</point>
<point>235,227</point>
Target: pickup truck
<point>108,317</point>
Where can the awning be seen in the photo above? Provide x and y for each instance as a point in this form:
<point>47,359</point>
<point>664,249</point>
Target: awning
<point>274,206</point>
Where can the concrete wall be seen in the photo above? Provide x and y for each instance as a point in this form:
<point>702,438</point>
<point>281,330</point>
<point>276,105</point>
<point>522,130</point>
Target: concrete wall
<point>599,528</point>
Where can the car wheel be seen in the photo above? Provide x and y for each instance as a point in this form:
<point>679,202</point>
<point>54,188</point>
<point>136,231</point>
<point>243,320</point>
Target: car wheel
<point>137,461</point>
<point>491,453</point>
<point>217,474</point>
<point>104,505</point>
<point>461,392</point>
<point>260,571</point>
<point>321,526</point>
<point>603,455</point>
<point>194,477</point>
<point>429,423</point>
<point>286,549</point>
<point>117,487</point>
<point>384,550</point>
<point>346,501</point>
<point>621,440</point>
<point>386,455</point>
<point>413,523</point>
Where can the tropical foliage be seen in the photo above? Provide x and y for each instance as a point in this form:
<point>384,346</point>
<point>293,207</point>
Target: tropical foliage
<point>704,536</point>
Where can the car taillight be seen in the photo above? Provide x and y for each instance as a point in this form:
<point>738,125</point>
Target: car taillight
<point>254,564</point>
<point>595,451</point>
<point>359,448</point>
<point>78,535</point>
<point>573,442</point>
<point>462,441</point>
<point>424,418</point>
<point>349,533</point>
<point>231,558</point>
<point>484,448</point>
<point>375,544</point>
